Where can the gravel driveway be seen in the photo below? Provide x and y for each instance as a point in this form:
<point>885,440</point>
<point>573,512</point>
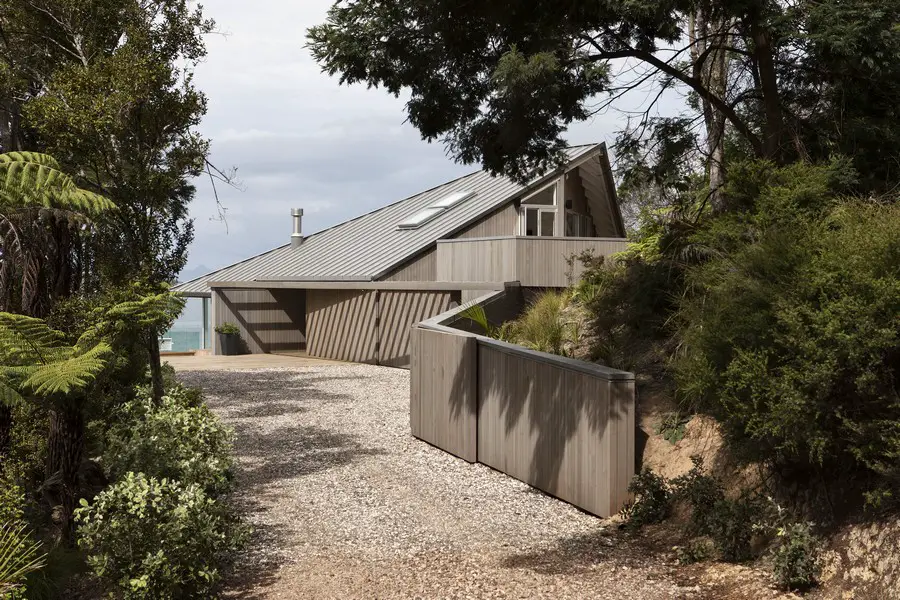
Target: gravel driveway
<point>347,504</point>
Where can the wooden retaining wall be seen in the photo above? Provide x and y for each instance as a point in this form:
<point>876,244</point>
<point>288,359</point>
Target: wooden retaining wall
<point>563,426</point>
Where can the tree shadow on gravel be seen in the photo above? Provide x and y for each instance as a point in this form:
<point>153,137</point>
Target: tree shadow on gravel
<point>578,553</point>
<point>270,451</point>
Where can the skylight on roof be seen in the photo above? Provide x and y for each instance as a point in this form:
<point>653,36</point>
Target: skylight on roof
<point>434,209</point>
<point>421,217</point>
<point>452,199</point>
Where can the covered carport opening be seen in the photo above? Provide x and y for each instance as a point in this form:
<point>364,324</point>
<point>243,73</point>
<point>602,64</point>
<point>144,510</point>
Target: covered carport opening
<point>271,321</point>
<point>353,321</point>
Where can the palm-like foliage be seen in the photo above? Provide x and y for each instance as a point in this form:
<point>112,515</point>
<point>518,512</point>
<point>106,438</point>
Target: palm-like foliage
<point>34,180</point>
<point>42,217</point>
<point>19,556</point>
<point>35,359</point>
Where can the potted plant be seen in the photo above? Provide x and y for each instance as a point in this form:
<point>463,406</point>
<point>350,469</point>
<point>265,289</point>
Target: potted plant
<point>229,339</point>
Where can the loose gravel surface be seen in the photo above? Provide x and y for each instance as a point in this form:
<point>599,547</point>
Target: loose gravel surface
<point>345,503</point>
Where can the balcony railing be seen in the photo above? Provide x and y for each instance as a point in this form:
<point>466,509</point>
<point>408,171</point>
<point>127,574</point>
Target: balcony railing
<point>532,261</point>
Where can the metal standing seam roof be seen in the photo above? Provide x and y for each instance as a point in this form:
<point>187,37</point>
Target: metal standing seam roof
<point>369,246</point>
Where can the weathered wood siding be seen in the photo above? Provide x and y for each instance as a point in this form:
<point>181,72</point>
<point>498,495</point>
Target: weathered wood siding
<point>503,221</point>
<point>532,261</point>
<point>398,312</point>
<point>541,262</point>
<point>491,259</point>
<point>341,325</point>
<point>422,268</point>
<point>596,186</point>
<point>565,432</point>
<point>561,425</point>
<point>369,326</point>
<point>269,320</point>
<point>442,391</point>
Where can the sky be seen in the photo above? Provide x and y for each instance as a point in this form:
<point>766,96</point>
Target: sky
<point>299,139</point>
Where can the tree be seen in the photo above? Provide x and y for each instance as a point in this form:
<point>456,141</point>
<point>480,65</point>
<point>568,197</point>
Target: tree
<point>107,86</point>
<point>38,204</point>
<point>499,82</point>
<point>36,362</point>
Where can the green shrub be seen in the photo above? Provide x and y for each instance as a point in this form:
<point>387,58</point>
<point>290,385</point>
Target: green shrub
<point>729,523</point>
<point>796,557</point>
<point>12,496</point>
<point>228,329</point>
<point>156,539</point>
<point>652,499</point>
<point>544,326</point>
<point>696,550</point>
<point>673,427</point>
<point>180,439</point>
<point>793,340</point>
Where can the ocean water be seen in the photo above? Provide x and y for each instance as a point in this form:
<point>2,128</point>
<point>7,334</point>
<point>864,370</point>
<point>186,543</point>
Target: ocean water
<point>184,340</point>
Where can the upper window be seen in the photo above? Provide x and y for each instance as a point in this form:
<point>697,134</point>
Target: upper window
<point>434,209</point>
<point>537,214</point>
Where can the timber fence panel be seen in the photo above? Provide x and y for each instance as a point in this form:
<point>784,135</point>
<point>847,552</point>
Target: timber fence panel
<point>442,391</point>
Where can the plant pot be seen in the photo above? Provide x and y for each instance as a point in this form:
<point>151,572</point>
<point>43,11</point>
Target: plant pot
<point>229,344</point>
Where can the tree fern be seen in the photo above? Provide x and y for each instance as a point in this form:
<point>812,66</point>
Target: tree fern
<point>33,180</point>
<point>36,360</point>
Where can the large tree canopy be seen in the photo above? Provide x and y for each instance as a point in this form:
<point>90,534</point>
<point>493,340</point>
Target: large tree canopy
<point>499,81</point>
<point>106,87</point>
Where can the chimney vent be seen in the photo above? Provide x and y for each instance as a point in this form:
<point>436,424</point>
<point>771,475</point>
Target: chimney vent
<point>297,235</point>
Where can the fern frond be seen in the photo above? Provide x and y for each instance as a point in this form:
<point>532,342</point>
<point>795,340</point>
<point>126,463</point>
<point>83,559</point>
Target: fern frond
<point>73,374</point>
<point>26,340</point>
<point>30,179</point>
<point>9,396</point>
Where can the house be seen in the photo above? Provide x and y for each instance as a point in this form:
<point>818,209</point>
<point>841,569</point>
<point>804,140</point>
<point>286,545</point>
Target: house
<point>352,292</point>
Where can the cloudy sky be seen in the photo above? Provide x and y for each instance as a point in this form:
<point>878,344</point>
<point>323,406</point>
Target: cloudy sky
<point>298,139</point>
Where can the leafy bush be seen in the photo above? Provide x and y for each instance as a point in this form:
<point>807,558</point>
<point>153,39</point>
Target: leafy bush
<point>673,427</point>
<point>793,341</point>
<point>180,439</point>
<point>228,329</point>
<point>796,558</point>
<point>652,499</point>
<point>696,550</point>
<point>729,523</point>
<point>156,539</point>
<point>629,300</point>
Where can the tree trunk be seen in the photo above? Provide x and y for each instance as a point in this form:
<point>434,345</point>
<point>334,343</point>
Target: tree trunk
<point>765,62</point>
<point>709,33</point>
<point>6,424</point>
<point>66,446</point>
<point>156,380</point>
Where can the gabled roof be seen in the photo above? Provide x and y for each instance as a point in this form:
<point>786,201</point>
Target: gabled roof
<point>371,245</point>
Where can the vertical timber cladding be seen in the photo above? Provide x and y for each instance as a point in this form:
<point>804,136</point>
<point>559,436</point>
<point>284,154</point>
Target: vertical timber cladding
<point>341,324</point>
<point>443,401</point>
<point>398,312</point>
<point>559,430</point>
<point>369,326</point>
<point>269,320</point>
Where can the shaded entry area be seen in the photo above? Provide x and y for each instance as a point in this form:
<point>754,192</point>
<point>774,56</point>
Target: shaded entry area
<point>270,321</point>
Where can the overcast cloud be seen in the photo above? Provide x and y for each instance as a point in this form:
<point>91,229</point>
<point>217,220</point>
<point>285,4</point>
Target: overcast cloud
<point>299,139</point>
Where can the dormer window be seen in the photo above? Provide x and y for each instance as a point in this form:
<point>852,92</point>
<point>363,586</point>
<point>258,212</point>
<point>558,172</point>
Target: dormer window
<point>537,213</point>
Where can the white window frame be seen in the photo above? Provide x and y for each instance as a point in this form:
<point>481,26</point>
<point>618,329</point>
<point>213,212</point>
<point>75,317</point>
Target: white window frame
<point>540,208</point>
